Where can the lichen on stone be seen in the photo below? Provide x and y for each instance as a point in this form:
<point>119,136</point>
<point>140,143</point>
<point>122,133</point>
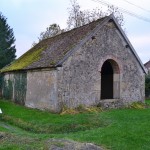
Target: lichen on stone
<point>24,61</point>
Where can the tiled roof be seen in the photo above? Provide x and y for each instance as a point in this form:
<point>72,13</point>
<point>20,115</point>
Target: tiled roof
<point>49,52</point>
<point>147,64</point>
<point>53,51</point>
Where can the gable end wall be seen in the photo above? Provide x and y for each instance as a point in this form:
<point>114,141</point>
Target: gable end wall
<point>79,81</point>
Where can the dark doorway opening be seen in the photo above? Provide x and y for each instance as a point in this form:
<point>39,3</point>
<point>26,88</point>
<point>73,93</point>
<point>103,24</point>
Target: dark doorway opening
<point>107,81</point>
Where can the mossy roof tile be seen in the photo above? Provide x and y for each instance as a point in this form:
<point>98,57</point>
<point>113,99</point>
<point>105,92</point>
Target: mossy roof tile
<point>49,52</point>
<point>54,51</point>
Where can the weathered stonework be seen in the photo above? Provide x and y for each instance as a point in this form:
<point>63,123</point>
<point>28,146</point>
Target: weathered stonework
<point>101,69</point>
<point>42,90</point>
<point>80,76</point>
<point>14,87</point>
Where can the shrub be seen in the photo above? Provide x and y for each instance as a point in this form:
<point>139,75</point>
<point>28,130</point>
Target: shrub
<point>147,86</point>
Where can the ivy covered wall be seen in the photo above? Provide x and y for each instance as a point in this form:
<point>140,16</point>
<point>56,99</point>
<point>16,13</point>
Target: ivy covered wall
<point>147,86</point>
<point>1,80</point>
<point>14,87</point>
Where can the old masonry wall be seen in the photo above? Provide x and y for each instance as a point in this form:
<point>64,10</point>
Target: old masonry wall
<point>79,80</point>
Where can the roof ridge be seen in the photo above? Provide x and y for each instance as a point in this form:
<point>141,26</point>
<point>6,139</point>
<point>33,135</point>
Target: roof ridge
<point>76,28</point>
<point>88,35</point>
<point>53,51</point>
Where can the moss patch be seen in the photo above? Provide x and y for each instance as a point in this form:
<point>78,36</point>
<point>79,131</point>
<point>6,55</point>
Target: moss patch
<point>55,49</point>
<point>25,60</point>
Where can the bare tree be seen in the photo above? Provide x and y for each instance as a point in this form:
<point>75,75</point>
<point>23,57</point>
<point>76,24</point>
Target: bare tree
<point>117,14</point>
<point>77,17</point>
<point>52,30</point>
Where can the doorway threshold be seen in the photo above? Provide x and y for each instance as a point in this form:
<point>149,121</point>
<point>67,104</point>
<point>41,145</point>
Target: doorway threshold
<point>110,103</point>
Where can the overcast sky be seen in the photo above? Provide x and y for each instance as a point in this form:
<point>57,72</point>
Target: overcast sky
<point>29,18</point>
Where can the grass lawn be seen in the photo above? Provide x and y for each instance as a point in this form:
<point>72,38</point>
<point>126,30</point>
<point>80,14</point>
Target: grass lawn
<point>124,129</point>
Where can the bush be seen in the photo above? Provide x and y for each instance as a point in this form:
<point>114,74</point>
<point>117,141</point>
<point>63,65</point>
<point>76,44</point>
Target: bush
<point>147,86</point>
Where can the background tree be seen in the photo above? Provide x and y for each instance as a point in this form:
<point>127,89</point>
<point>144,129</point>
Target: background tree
<point>78,18</point>
<point>53,30</point>
<point>7,47</point>
<point>7,39</point>
<point>118,15</point>
<point>147,86</point>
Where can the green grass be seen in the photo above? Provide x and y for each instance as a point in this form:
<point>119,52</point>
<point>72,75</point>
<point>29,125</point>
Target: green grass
<point>43,122</point>
<point>147,102</point>
<point>3,128</point>
<point>122,129</point>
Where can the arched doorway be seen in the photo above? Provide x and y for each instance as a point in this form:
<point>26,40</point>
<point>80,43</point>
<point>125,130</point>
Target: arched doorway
<point>110,80</point>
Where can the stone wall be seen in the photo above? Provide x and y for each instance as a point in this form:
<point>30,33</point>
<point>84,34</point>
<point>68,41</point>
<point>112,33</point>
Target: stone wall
<point>14,87</point>
<point>42,90</point>
<point>80,77</point>
<point>35,89</point>
<point>78,81</point>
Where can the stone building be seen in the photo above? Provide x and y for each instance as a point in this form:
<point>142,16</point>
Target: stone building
<point>147,66</point>
<point>90,65</point>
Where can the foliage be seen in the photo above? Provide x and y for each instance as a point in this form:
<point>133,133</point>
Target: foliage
<point>118,129</point>
<point>15,88</point>
<point>118,15</point>
<point>78,18</point>
<point>7,39</point>
<point>147,102</point>
<point>1,81</point>
<point>53,30</point>
<point>147,86</point>
<point>20,83</point>
<point>7,89</point>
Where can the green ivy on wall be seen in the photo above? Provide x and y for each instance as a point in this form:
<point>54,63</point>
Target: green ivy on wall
<point>147,86</point>
<point>7,89</point>
<point>15,87</point>
<point>20,87</point>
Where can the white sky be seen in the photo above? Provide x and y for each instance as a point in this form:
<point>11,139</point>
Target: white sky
<point>29,18</point>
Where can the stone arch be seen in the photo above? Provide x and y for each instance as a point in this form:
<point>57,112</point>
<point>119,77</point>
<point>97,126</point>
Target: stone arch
<point>110,79</point>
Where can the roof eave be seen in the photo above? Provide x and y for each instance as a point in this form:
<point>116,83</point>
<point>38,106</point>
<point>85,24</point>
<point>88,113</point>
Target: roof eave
<point>30,69</point>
